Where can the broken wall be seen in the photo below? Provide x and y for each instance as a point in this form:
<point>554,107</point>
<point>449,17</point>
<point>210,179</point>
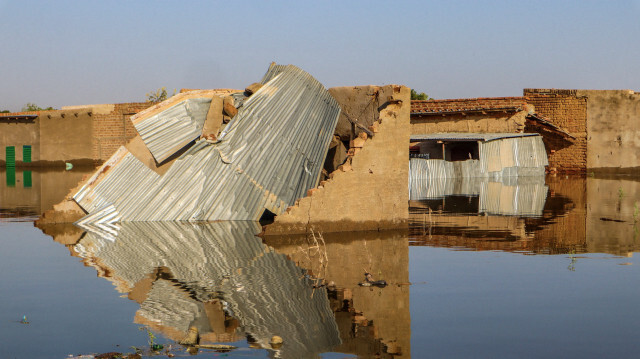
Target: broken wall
<point>370,193</point>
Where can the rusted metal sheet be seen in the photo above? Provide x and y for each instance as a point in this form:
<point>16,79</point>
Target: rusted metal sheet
<point>267,157</point>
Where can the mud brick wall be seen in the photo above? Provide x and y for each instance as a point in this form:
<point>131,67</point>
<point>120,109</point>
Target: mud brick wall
<point>493,122</point>
<point>568,110</point>
<point>370,193</point>
<point>613,131</point>
<point>113,128</point>
<point>482,115</point>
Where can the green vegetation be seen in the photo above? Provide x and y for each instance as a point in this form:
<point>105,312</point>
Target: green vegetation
<point>5,111</point>
<point>419,96</point>
<point>159,95</point>
<point>620,192</point>
<point>33,107</point>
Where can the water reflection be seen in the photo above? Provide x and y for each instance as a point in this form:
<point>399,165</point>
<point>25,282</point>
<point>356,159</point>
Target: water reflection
<point>232,285</point>
<point>515,196</point>
<point>372,321</point>
<point>217,277</point>
<point>577,215</point>
<point>28,193</point>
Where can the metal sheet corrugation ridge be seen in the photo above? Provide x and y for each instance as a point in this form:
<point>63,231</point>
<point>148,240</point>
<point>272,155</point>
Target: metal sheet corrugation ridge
<point>170,130</point>
<point>273,71</point>
<point>271,155</point>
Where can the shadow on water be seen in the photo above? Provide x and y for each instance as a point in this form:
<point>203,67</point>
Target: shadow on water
<point>222,279</point>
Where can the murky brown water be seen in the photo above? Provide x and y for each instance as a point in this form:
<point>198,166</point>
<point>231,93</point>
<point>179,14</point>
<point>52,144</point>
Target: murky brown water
<point>458,284</point>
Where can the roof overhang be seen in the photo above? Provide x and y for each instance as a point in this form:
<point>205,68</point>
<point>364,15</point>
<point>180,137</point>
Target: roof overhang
<point>12,117</point>
<point>465,137</point>
<point>468,111</point>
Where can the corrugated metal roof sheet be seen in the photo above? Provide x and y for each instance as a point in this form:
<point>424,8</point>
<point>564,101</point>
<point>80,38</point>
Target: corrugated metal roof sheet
<point>504,157</point>
<point>273,71</point>
<point>451,136</point>
<point>172,129</point>
<point>269,155</point>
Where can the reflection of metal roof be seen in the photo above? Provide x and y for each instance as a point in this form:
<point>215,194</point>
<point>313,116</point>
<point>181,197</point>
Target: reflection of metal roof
<point>467,136</point>
<point>264,290</point>
<point>268,156</point>
<point>523,196</point>
<point>170,130</point>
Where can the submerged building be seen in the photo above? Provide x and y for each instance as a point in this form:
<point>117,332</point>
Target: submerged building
<point>80,135</point>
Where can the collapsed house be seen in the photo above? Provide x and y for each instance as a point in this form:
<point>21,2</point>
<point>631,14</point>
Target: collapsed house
<point>285,146</point>
<point>268,155</point>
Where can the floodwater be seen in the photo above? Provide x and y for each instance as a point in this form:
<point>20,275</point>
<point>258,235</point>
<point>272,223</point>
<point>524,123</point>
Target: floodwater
<point>542,268</point>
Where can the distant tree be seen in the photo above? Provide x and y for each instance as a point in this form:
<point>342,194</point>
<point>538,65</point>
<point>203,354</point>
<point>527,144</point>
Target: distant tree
<point>33,107</point>
<point>419,96</point>
<point>159,95</point>
<point>5,111</point>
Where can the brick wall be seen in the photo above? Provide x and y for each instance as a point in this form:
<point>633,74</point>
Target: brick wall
<point>114,129</point>
<point>569,111</point>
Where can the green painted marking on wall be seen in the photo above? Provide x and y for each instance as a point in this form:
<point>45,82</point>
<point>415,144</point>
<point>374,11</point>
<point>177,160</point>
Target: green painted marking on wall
<point>26,179</point>
<point>11,176</point>
<point>11,157</point>
<point>26,154</point>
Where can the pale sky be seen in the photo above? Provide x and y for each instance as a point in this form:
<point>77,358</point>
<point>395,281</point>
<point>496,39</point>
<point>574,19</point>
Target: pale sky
<point>58,53</point>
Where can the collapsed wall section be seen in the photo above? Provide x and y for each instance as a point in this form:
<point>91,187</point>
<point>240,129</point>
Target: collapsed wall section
<point>369,191</point>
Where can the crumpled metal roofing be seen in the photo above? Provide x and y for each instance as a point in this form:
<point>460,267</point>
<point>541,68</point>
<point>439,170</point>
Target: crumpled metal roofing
<point>263,289</point>
<point>273,71</point>
<point>268,156</point>
<point>170,130</point>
